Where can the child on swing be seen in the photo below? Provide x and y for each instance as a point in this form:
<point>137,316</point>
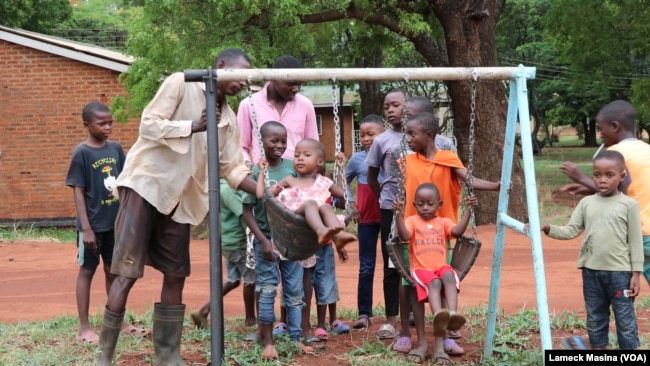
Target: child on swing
<point>427,235</point>
<point>307,193</point>
<point>429,164</point>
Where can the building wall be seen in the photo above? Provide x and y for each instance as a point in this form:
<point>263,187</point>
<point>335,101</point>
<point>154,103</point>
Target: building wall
<point>328,133</point>
<point>41,98</point>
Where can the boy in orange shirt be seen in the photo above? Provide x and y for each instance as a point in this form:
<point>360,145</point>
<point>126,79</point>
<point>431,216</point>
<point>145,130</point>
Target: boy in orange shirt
<point>427,235</point>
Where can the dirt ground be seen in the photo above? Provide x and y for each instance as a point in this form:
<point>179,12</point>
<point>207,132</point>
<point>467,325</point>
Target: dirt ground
<point>37,281</point>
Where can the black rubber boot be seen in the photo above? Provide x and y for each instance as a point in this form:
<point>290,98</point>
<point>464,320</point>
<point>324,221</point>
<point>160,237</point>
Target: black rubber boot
<point>167,331</point>
<point>111,327</point>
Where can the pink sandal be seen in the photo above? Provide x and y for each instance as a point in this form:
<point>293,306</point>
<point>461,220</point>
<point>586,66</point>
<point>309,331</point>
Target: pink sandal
<point>321,334</point>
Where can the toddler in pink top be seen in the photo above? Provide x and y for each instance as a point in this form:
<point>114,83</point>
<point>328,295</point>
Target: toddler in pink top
<point>307,193</point>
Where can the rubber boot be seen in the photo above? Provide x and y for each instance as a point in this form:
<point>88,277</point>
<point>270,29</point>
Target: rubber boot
<point>111,327</point>
<point>167,331</point>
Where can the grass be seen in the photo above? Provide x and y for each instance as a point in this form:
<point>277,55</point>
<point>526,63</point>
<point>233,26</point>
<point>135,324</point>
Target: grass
<point>33,233</point>
<point>52,342</point>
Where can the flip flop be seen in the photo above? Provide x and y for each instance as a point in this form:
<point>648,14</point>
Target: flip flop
<point>279,328</point>
<point>575,343</point>
<point>456,321</point>
<point>441,358</point>
<point>416,356</point>
<point>253,338</point>
<point>387,331</point>
<point>321,334</point>
<point>362,322</point>
<point>136,332</point>
<point>403,345</point>
<point>338,327</point>
<point>440,322</point>
<point>313,341</point>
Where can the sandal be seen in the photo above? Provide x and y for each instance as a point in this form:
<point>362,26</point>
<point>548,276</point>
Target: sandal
<point>279,328</point>
<point>338,327</point>
<point>576,343</point>
<point>321,334</point>
<point>456,321</point>
<point>387,331</point>
<point>314,342</point>
<point>403,345</point>
<point>441,358</point>
<point>362,322</point>
<point>452,348</point>
<point>440,322</point>
<point>416,356</point>
<point>454,334</point>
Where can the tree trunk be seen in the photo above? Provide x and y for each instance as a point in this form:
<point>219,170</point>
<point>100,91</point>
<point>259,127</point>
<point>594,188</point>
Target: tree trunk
<point>370,91</point>
<point>590,132</point>
<point>469,35</point>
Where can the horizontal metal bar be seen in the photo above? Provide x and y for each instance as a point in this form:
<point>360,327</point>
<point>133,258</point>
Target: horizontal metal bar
<point>512,223</point>
<point>366,74</point>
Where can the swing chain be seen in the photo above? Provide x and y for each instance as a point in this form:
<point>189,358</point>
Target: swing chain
<point>256,128</point>
<point>469,184</point>
<point>338,170</point>
<point>401,177</point>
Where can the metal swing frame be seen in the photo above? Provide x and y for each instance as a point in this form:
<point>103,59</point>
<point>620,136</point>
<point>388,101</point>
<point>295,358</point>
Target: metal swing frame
<point>517,108</point>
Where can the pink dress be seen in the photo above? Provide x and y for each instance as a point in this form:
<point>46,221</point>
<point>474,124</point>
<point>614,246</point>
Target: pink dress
<point>293,197</point>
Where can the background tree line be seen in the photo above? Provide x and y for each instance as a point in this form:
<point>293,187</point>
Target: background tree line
<point>587,53</point>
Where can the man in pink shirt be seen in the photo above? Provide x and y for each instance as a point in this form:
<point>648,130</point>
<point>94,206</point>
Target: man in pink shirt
<point>278,101</point>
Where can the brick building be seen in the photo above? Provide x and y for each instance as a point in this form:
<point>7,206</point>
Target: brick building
<point>44,84</point>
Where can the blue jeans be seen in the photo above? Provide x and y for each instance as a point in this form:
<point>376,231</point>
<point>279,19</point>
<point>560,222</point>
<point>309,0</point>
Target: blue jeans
<point>268,279</point>
<point>323,277</point>
<point>368,234</point>
<point>602,289</point>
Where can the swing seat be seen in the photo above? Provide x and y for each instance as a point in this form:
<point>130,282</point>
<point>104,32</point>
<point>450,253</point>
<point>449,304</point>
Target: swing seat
<point>463,256</point>
<point>292,236</point>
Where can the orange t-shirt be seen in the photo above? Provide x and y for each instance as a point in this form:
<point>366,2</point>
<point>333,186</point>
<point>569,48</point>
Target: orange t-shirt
<point>439,172</point>
<point>428,244</point>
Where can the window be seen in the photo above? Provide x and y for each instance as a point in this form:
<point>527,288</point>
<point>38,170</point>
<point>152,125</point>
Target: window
<point>319,124</point>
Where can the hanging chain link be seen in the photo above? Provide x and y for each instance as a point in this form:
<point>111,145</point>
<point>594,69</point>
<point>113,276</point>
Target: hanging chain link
<point>469,182</point>
<point>256,128</point>
<point>338,170</point>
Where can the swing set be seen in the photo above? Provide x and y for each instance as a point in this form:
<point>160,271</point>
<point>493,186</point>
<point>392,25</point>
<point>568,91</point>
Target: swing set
<point>293,236</point>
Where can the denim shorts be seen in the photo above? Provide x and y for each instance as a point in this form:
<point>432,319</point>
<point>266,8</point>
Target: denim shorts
<point>602,290</point>
<point>236,266</point>
<point>323,277</point>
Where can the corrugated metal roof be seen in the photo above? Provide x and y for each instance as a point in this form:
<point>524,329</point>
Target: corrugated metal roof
<point>83,52</point>
<point>321,95</point>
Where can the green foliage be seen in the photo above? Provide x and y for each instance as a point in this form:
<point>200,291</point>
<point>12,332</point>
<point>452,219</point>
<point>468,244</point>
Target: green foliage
<point>604,45</point>
<point>34,15</point>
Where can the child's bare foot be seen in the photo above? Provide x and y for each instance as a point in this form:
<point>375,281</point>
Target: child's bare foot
<point>343,254</point>
<point>327,233</point>
<point>344,238</point>
<point>304,348</point>
<point>251,321</point>
<point>88,336</point>
<point>270,353</point>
